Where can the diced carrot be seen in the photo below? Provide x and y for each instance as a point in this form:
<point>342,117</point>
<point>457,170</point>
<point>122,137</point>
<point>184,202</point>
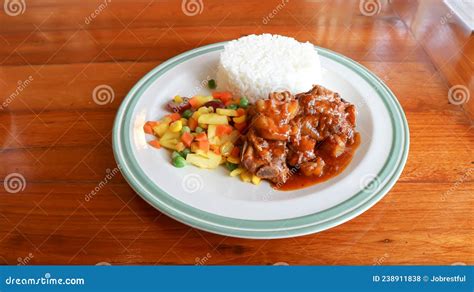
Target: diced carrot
<point>203,145</point>
<point>194,147</point>
<point>240,126</point>
<point>180,146</point>
<point>187,139</point>
<point>201,137</point>
<point>194,102</point>
<point>229,102</point>
<point>192,123</point>
<point>224,95</point>
<point>148,129</point>
<point>174,116</point>
<point>240,112</point>
<point>235,152</point>
<point>155,143</point>
<point>222,130</point>
<point>215,148</point>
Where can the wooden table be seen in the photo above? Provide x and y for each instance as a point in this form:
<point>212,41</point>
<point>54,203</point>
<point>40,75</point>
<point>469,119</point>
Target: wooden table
<point>58,139</point>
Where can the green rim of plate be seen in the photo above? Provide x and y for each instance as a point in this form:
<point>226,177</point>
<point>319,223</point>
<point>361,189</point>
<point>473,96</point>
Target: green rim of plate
<point>312,223</point>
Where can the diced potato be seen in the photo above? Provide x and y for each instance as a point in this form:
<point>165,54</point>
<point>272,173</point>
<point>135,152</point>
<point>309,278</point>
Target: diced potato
<point>212,161</point>
<point>203,99</point>
<point>226,148</point>
<point>169,140</point>
<point>213,119</point>
<point>211,134</point>
<point>169,143</point>
<point>255,179</point>
<point>203,110</point>
<point>234,135</point>
<point>214,156</point>
<point>216,141</point>
<point>160,129</point>
<point>168,135</point>
<point>202,153</point>
<point>236,171</point>
<point>176,126</point>
<point>240,119</point>
<point>227,112</point>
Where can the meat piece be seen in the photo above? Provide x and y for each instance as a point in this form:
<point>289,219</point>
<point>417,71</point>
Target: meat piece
<point>325,122</point>
<point>265,158</point>
<point>334,145</point>
<point>271,117</point>
<point>265,149</point>
<point>301,150</point>
<point>269,129</point>
<point>297,131</point>
<point>313,168</point>
<point>324,113</point>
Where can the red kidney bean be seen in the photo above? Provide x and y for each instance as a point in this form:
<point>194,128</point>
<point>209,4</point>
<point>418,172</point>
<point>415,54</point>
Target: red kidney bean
<point>178,107</point>
<point>215,104</point>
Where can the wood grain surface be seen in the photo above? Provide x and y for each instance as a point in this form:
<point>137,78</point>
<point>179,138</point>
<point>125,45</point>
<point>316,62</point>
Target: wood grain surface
<point>57,141</point>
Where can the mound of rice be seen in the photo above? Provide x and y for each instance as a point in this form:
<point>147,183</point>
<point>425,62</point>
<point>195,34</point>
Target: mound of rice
<point>255,65</point>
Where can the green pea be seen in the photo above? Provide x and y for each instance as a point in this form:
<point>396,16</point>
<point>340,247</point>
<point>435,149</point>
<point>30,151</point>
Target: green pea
<point>179,161</point>
<point>212,84</point>
<point>175,154</point>
<point>199,130</point>
<point>187,114</point>
<point>244,102</point>
<point>231,166</point>
<point>185,129</point>
<point>185,152</point>
<point>233,106</point>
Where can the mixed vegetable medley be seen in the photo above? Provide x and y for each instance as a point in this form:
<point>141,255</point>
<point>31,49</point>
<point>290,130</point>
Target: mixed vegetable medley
<point>204,131</point>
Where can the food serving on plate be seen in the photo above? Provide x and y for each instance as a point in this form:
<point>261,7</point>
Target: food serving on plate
<point>292,138</point>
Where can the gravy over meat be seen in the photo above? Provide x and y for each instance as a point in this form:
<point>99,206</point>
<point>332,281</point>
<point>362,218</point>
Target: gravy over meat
<point>296,141</point>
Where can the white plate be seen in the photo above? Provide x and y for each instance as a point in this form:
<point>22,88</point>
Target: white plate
<point>214,201</point>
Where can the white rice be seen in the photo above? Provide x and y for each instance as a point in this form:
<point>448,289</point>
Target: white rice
<point>255,65</point>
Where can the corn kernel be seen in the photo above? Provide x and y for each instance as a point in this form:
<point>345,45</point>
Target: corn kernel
<point>178,99</point>
<point>233,159</point>
<point>246,176</point>
<point>240,119</point>
<point>255,179</point>
<point>236,171</point>
<point>176,126</point>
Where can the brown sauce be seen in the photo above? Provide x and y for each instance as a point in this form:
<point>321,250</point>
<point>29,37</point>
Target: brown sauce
<point>334,166</point>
